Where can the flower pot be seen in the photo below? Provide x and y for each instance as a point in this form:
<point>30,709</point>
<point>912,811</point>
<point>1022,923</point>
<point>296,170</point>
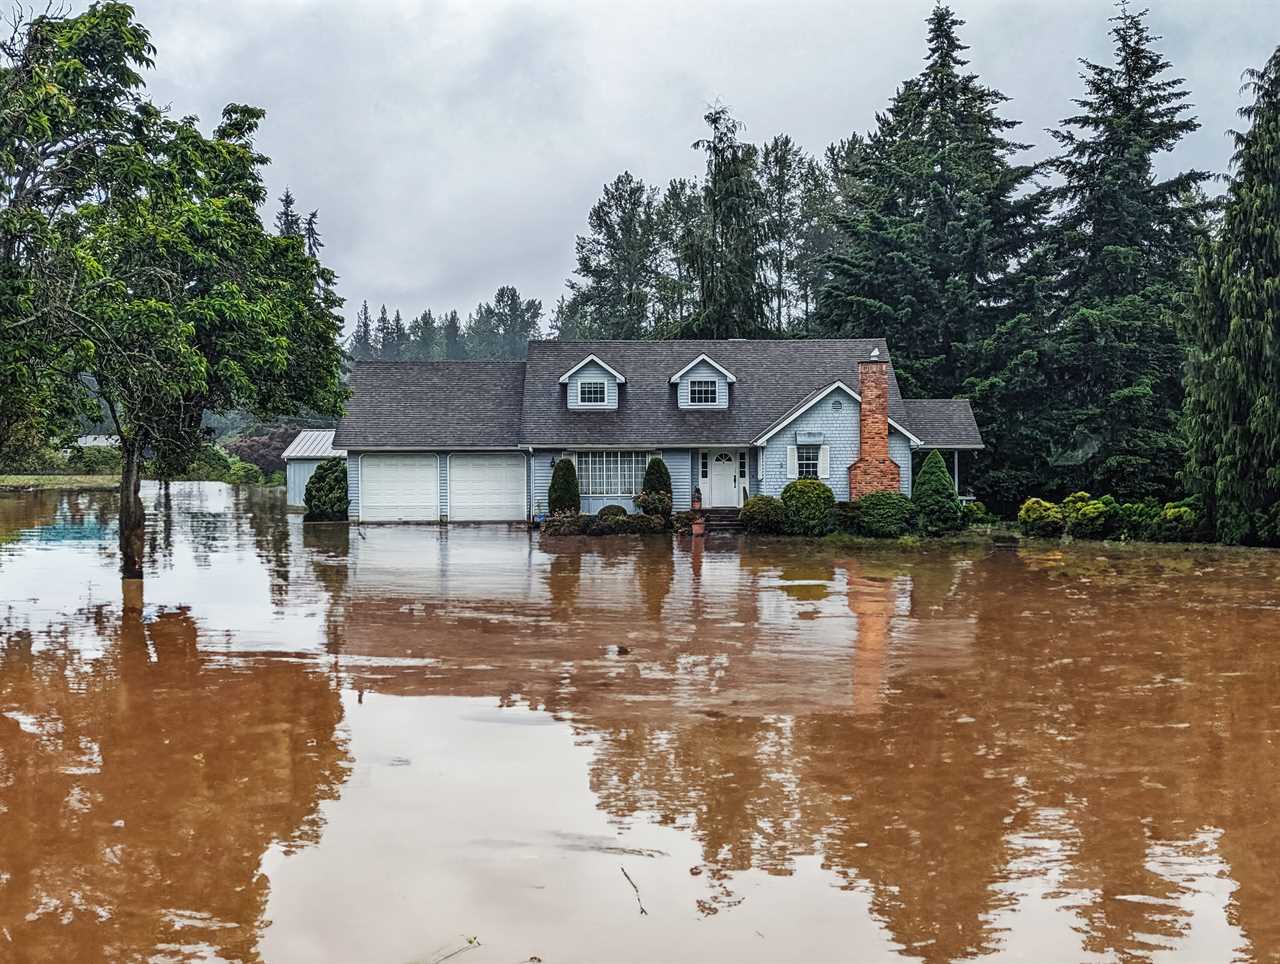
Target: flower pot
<point>699,526</point>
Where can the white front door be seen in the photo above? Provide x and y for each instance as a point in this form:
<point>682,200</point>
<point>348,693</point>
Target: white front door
<point>724,480</point>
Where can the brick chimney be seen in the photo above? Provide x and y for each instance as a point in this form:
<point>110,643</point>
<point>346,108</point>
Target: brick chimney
<point>874,471</point>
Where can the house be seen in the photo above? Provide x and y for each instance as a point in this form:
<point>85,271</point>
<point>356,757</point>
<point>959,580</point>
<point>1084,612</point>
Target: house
<point>308,449</point>
<point>477,441</point>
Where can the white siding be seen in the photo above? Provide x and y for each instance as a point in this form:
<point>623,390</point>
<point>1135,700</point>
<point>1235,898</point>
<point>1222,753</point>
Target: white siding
<point>297,474</point>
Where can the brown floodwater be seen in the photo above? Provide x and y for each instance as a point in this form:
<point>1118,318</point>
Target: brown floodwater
<point>402,743</point>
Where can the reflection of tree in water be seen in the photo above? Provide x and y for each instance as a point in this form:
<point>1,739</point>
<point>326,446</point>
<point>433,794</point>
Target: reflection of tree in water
<point>170,775</point>
<point>328,549</point>
<point>266,511</point>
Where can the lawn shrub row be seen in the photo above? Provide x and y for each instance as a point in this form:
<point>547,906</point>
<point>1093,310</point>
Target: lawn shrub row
<point>1081,516</point>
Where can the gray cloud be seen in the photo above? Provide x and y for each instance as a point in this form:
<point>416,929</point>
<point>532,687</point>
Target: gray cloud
<point>455,147</point>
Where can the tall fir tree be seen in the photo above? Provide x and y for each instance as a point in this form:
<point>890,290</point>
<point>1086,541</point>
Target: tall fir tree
<point>455,346</point>
<point>781,172</point>
<point>936,218</point>
<point>288,222</point>
<point>423,337</point>
<point>1233,330</point>
<point>725,253</point>
<point>617,262</point>
<point>361,345</point>
<point>678,216</point>
<point>311,234</point>
<point>1121,243</point>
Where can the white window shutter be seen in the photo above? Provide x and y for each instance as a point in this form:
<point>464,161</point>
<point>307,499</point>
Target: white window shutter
<point>824,462</point>
<point>760,465</point>
<point>793,463</point>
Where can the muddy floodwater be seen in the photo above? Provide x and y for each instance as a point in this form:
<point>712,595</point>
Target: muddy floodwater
<point>400,743</point>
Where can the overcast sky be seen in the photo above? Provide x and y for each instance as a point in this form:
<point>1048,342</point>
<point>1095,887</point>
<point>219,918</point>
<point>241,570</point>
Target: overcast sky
<point>454,147</point>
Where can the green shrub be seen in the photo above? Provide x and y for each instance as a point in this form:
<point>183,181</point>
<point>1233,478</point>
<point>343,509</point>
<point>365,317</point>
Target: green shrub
<point>934,495</point>
<point>1095,519</point>
<point>976,514</point>
<point>562,495</point>
<point>882,515</point>
<point>1139,521</point>
<point>277,478</point>
<point>682,522</point>
<point>842,516</point>
<point>1072,504</point>
<point>326,495</point>
<point>97,460</point>
<point>657,478</point>
<point>654,502</point>
<point>763,514</point>
<point>244,473</point>
<point>567,524</point>
<point>1181,522</point>
<point>640,524</point>
<point>1042,519</point>
<point>609,511</point>
<point>807,507</point>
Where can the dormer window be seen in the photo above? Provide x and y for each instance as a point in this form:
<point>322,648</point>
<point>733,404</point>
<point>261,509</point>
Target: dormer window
<point>702,392</point>
<point>592,393</point>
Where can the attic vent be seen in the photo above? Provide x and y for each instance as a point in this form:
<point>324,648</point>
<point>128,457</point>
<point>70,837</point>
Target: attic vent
<point>837,405</point>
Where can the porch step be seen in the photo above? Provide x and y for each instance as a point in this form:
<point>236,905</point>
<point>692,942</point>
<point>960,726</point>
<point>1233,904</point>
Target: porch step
<point>722,519</point>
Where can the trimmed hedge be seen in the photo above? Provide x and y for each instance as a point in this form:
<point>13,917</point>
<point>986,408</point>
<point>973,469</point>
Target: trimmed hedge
<point>609,511</point>
<point>657,478</point>
<point>937,506</point>
<point>326,495</point>
<point>882,515</point>
<point>654,503</point>
<point>613,524</point>
<point>808,506</point>
<point>562,494</point>
<point>1084,517</point>
<point>763,514</point>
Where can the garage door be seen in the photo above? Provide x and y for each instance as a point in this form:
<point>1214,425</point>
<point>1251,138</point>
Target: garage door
<point>399,488</point>
<point>486,488</point>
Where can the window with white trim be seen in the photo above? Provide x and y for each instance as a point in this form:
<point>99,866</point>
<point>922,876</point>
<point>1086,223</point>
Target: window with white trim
<point>612,473</point>
<point>702,391</point>
<point>807,461</point>
<point>591,393</point>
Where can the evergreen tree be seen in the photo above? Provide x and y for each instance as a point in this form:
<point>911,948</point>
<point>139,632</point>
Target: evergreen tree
<point>617,261</point>
<point>423,336</point>
<point>782,168</point>
<point>568,321</point>
<point>936,219</point>
<point>518,321</point>
<point>361,346</point>
<point>816,238</point>
<point>675,285</point>
<point>1233,328</point>
<point>311,234</point>
<point>725,253</point>
<point>455,346</point>
<point>288,223</point>
<point>393,339</point>
<point>1122,244</point>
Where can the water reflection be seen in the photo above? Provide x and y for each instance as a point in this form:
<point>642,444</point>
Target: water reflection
<point>1047,756</point>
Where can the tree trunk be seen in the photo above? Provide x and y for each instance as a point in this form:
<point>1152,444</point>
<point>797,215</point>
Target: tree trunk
<point>133,518</point>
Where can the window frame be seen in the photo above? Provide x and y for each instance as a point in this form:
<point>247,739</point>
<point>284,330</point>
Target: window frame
<point>593,382</point>
<point>605,473</point>
<point>801,461</point>
<point>701,384</point>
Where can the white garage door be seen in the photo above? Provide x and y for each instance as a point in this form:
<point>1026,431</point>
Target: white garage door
<point>486,488</point>
<point>399,488</point>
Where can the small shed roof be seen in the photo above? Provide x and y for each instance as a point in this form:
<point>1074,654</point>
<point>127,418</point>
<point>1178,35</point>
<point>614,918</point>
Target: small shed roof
<point>313,444</point>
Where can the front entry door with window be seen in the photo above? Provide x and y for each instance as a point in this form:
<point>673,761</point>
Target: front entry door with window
<point>724,481</point>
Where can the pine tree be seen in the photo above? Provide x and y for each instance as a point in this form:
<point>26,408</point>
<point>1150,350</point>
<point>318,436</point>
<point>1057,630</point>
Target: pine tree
<point>389,336</point>
<point>288,223</point>
<point>617,261</point>
<point>517,321</point>
<point>423,336</point>
<point>936,218</point>
<point>725,253</point>
<point>1122,244</point>
<point>311,234</point>
<point>675,286</point>
<point>455,347</point>
<point>361,346</point>
<point>1233,328</point>
<point>782,169</point>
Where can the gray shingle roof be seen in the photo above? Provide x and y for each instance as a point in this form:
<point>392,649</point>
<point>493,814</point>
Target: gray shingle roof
<point>494,404</point>
<point>943,423</point>
<point>452,404</point>
<point>312,443</point>
<point>773,376</point>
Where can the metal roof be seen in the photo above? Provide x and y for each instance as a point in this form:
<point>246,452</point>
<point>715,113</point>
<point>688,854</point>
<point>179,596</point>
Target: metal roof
<point>313,444</point>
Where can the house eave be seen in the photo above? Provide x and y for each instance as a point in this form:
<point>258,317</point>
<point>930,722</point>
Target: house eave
<point>621,379</point>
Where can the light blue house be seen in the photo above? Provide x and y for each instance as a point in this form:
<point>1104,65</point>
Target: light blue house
<point>477,441</point>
